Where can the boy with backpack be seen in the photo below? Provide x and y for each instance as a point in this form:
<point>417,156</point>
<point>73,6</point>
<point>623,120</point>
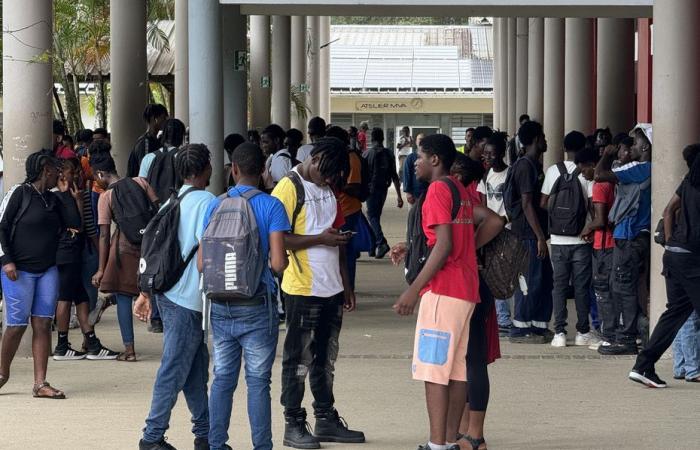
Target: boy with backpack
<point>521,197</point>
<point>565,195</point>
<point>279,160</point>
<point>158,167</point>
<point>317,288</point>
<point>446,281</point>
<point>169,275</point>
<point>154,115</point>
<point>243,314</point>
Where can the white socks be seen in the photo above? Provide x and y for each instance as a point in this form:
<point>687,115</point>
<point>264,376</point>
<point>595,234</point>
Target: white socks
<point>437,446</point>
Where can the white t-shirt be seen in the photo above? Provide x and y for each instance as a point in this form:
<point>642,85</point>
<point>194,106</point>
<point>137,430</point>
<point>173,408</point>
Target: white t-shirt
<point>280,164</point>
<point>304,152</point>
<point>406,146</point>
<point>493,190</point>
<point>551,177</point>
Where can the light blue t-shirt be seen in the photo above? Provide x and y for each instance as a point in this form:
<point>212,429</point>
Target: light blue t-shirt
<point>147,162</point>
<point>635,173</point>
<point>186,292</point>
<point>270,216</point>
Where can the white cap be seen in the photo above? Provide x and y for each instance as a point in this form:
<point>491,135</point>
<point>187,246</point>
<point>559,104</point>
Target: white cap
<point>646,129</point>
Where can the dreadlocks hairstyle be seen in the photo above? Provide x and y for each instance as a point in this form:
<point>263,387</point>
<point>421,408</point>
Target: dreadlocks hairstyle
<point>101,160</point>
<point>174,132</point>
<point>153,110</point>
<point>337,132</point>
<point>36,162</point>
<point>467,169</point>
<point>191,160</point>
<point>334,163</point>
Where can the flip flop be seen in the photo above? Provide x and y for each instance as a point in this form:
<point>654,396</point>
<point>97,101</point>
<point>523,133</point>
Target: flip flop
<point>127,357</point>
<point>689,380</point>
<point>55,393</point>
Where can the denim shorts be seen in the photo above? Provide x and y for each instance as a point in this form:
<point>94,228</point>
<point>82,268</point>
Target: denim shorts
<point>32,295</point>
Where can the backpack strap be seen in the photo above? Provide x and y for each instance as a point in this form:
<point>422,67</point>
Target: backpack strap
<point>301,195</point>
<point>250,194</point>
<point>456,196</point>
<point>563,171</point>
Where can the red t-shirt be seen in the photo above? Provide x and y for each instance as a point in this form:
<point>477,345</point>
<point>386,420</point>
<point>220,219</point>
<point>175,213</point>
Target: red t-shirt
<point>362,140</point>
<point>604,193</point>
<point>458,278</point>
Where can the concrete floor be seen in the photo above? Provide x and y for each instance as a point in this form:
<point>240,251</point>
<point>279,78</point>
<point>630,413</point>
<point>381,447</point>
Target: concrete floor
<point>541,398</point>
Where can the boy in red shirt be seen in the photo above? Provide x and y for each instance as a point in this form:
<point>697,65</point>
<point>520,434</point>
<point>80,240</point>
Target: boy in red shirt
<point>448,287</point>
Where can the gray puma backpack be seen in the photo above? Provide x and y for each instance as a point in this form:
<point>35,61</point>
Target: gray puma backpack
<point>232,264</point>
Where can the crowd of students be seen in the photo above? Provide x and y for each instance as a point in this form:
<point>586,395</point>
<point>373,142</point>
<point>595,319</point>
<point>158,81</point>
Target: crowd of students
<point>282,244</point>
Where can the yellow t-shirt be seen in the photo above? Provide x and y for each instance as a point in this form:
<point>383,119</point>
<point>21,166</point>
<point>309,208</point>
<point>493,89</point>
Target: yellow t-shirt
<point>314,271</point>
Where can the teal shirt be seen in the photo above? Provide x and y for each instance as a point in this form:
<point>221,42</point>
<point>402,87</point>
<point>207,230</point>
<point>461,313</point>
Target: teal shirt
<point>186,292</point>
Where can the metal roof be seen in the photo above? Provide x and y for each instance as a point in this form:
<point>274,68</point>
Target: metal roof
<point>411,58</point>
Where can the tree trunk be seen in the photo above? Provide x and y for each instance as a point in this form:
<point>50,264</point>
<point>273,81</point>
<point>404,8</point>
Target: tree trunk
<point>75,121</point>
<point>101,101</point>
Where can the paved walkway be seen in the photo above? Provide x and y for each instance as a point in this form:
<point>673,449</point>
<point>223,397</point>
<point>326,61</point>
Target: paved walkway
<point>541,398</point>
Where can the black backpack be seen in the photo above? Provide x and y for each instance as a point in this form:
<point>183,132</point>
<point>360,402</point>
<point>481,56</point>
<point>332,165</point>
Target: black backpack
<point>295,162</point>
<point>161,264</point>
<point>162,175</point>
<point>132,209</point>
<point>416,242</point>
<point>512,202</point>
<point>567,205</point>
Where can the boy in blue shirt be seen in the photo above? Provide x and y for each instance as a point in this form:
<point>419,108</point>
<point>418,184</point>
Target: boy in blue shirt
<point>249,330</point>
<point>631,214</point>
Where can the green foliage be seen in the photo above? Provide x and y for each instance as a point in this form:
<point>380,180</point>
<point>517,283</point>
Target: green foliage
<point>362,20</point>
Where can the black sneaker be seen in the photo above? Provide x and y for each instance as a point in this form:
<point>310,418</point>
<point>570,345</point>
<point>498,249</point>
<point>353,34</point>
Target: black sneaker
<point>297,432</point>
<point>648,378</point>
<point>618,349</point>
<point>203,444</point>
<point>504,330</point>
<point>156,326</point>
<point>67,353</point>
<point>162,445</point>
<point>382,250</point>
<point>330,427</point>
<point>101,353</point>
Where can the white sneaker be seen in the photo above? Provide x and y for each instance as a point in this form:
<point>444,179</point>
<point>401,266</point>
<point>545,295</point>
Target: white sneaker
<point>597,345</point>
<point>559,340</point>
<point>589,339</point>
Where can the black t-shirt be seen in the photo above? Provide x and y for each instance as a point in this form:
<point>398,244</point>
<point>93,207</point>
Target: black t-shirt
<point>527,179</point>
<point>382,168</point>
<point>146,144</point>
<point>72,238</point>
<point>33,247</point>
<point>686,232</point>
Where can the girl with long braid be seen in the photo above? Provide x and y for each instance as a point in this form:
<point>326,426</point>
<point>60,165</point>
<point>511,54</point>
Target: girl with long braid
<point>29,231</point>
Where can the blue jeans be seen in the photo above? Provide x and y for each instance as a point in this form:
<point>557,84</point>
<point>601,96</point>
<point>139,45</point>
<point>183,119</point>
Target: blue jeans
<point>375,205</point>
<point>571,262</point>
<point>242,332</point>
<point>183,367</point>
<point>360,242</point>
<point>686,349</point>
<point>533,311</point>
<point>125,318</point>
<point>31,295</point>
<point>90,265</point>
<point>503,312</point>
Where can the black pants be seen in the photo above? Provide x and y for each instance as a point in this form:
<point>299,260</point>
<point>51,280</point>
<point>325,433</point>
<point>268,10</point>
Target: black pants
<point>310,347</point>
<point>602,281</point>
<point>375,206</point>
<point>477,352</point>
<point>629,263</point>
<point>682,272</point>
<point>571,262</point>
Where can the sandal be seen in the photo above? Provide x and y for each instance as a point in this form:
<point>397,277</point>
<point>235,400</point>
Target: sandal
<point>689,380</point>
<point>474,442</point>
<point>55,394</point>
<point>127,357</point>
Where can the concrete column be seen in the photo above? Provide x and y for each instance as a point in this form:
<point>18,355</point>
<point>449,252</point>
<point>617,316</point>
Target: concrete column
<point>512,76</point>
<point>553,90</point>
<point>182,95</point>
<point>535,69</point>
<point>260,71</point>
<point>27,94</point>
<point>235,75</point>
<point>676,108</point>
<point>615,74</point>
<point>578,76</point>
<point>503,73</point>
<point>206,84</point>
<point>313,67</point>
<point>128,77</point>
<point>644,69</point>
<point>325,68</point>
<point>521,64</point>
<point>497,92</point>
<point>298,65</point>
<point>281,70</point>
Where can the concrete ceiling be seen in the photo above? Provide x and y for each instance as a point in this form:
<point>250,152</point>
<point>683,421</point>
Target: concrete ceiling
<point>449,8</point>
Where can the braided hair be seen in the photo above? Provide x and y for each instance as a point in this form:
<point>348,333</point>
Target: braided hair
<point>191,160</point>
<point>36,162</point>
<point>173,132</point>
<point>334,162</point>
